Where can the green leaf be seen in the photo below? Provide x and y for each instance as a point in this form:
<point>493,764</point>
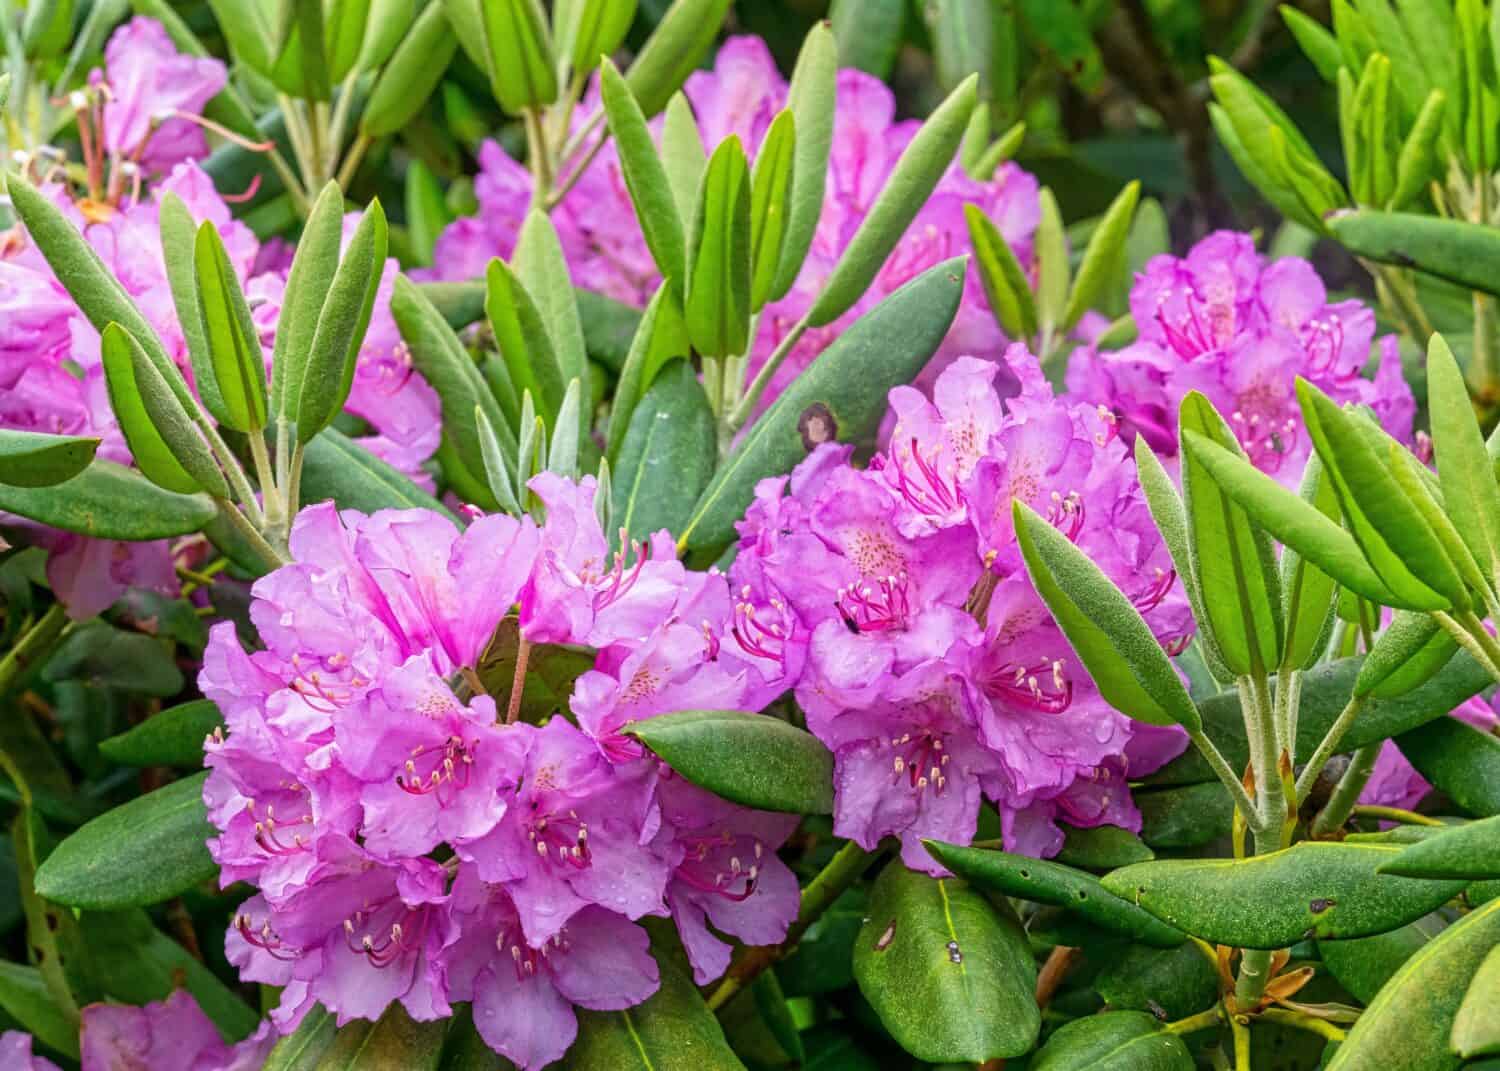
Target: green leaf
<point>414,70</point>
<point>922,163</point>
<point>1315,888</point>
<point>1104,259</point>
<point>1006,287</point>
<point>667,456</point>
<point>31,459</point>
<point>1471,497</point>
<point>309,282</point>
<point>682,155</point>
<point>340,332</point>
<point>465,1050</point>
<point>304,1048</point>
<point>602,25</point>
<point>770,201</point>
<point>810,99</point>
<point>755,760</point>
<point>1455,250</point>
<point>334,467</point>
<point>759,1025</point>
<point>1233,563</point>
<point>1187,816</point>
<point>173,737</point>
<point>1365,964</point>
<point>1045,882</point>
<point>522,336</point>
<point>681,39</point>
<point>163,439</point>
<point>1114,1041</point>
<point>842,396</point>
<point>110,501</point>
<point>440,357</point>
<point>1102,848</point>
<point>142,852</point>
<point>426,211</point>
<point>717,306</point>
<point>1398,543</point>
<point>1107,632</point>
<point>1459,759</point>
<point>235,365</point>
<point>1419,162</point>
<point>1405,656</point>
<point>395,1040</point>
<point>543,270</point>
<point>674,1028</point>
<point>100,654</point>
<point>1316,42</point>
<point>1054,273</point>
<point>344,35</point>
<point>1309,596</point>
<point>1410,1022</point>
<point>1178,980</point>
<point>24,997</point>
<point>1476,1027</point>
<point>950,975</point>
<point>522,71</point>
<point>660,336</point>
<point>868,33</point>
<point>1470,851</point>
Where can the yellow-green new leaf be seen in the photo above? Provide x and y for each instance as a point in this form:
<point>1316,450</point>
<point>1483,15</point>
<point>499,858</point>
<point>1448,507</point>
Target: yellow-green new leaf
<point>682,154</point>
<point>414,70</point>
<point>1405,656</point>
<point>235,365</point>
<point>523,73</point>
<point>1308,594</point>
<point>770,202</point>
<point>1104,258</point>
<point>601,26</point>
<point>522,336</point>
<point>1005,284</point>
<point>718,293</point>
<point>148,445</point>
<point>543,270</point>
<point>645,178</point>
<point>1105,630</point>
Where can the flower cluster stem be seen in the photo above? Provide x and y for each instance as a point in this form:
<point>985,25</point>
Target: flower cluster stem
<point>33,646</point>
<point>1340,805</point>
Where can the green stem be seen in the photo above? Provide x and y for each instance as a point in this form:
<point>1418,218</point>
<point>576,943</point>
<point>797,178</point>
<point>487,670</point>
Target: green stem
<point>1327,747</point>
<point>538,157</point>
<point>352,161</point>
<point>1395,814</point>
<point>1220,766</point>
<point>1341,804</point>
<point>271,556</point>
<point>842,871</point>
<point>1399,296</point>
<point>297,134</point>
<point>1193,1023</point>
<point>34,645</point>
<point>1465,640</point>
<point>1302,1021</point>
<point>1266,753</point>
<point>763,377</point>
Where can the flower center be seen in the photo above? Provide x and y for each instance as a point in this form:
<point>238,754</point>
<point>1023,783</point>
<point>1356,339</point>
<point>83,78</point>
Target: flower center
<point>725,864</point>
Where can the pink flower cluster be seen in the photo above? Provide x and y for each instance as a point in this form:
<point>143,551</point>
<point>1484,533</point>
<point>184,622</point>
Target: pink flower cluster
<point>51,375</point>
<point>1240,328</point>
<point>410,841</point>
<point>896,598</point>
<point>740,96</point>
<point>1396,783</point>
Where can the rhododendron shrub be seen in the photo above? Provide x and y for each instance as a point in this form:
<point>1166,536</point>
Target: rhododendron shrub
<point>602,535</point>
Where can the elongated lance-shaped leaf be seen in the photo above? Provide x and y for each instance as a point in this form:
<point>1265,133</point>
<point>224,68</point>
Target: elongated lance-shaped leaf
<point>178,248</point>
<point>235,366</point>
<point>604,503</point>
<point>810,99</point>
<point>31,459</point>
<point>1420,161</point>
<point>521,334</point>
<point>148,445</point>
<point>1309,595</point>
<point>600,27</point>
<point>1294,522</point>
<point>682,154</point>
<point>912,180</point>
<point>682,37</point>
<point>110,501</point>
<point>1233,562</point>
<point>496,471</point>
<point>308,283</point>
<point>1054,273</point>
<point>645,178</point>
<point>770,199</point>
<point>523,73</point>
<point>1452,249</point>
<point>1398,543</point>
<point>1105,630</point>
<point>1005,284</point>
<point>1104,258</point>
<point>717,306</point>
<point>1166,509</point>
<point>540,265</point>
<point>1411,650</point>
<point>345,35</point>
<point>659,336</point>
<point>563,457</point>
<point>414,70</point>
<point>1470,494</point>
<point>341,326</point>
<point>668,455</point>
<point>1416,480</point>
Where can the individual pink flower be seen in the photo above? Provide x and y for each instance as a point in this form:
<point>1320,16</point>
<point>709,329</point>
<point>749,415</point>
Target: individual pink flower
<point>15,1053</point>
<point>1396,783</point>
<point>151,86</point>
<point>168,1035</point>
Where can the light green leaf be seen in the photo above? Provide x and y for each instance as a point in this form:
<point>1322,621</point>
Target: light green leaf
<point>522,70</point>
<point>771,192</point>
<point>1005,284</point>
<point>601,26</point>
<point>235,365</point>
<point>680,40</point>
<point>414,70</point>
<point>543,270</point>
<point>659,336</point>
<point>717,306</point>
<point>682,154</point>
<point>811,101</point>
<point>308,284</point>
<point>1054,273</point>
<point>1470,851</point>
<point>1103,259</point>
<point>31,459</point>
<point>1476,1027</point>
<point>521,334</point>
<point>1470,495</point>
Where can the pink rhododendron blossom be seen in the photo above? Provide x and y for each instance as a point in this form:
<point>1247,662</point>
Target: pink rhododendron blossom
<point>1239,328</point>
<point>410,842</point>
<point>16,1054</point>
<point>930,667</point>
<point>150,87</point>
<point>740,96</point>
<point>169,1035</point>
<point>1396,783</point>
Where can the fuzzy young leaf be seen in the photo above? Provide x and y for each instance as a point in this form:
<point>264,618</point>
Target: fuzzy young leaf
<point>667,456</point>
<point>1005,284</point>
<point>235,365</point>
<point>414,70</point>
<point>771,192</point>
<point>717,306</point>
<point>543,270</point>
<point>1471,497</point>
<point>682,37</point>
<point>645,178</point>
<point>1104,629</point>
<point>601,26</point>
<point>307,285</point>
<point>31,459</point>
<point>1233,563</point>
<point>522,71</point>
<point>1103,259</point>
<point>521,334</point>
<point>682,155</point>
<point>1405,656</point>
<point>810,99</point>
<point>1419,162</point>
<point>1308,594</point>
<point>922,163</point>
<point>1053,270</point>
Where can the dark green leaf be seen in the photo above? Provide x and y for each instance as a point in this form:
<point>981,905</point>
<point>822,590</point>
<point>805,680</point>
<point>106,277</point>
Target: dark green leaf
<point>811,101</point>
<point>950,975</point>
<point>1187,816</point>
<point>1322,889</point>
<point>311,277</point>
<point>1459,759</point>
<point>110,501</point>
<point>1476,1027</point>
<point>31,459</point>
<point>752,759</point>
<point>667,456</point>
<point>109,657</point>
<point>842,396</point>
<point>334,467</point>
<point>1365,964</point>
<point>142,852</point>
<point>1469,851</point>
<point>1102,848</point>
<point>1181,981</point>
<point>393,1041</point>
<point>1114,1041</point>
<point>25,998</point>
<point>674,1028</point>
<point>304,1048</point>
<point>1052,883</point>
<point>523,339</point>
<point>717,305</point>
<point>172,738</point>
<point>770,201</point>
<point>645,179</point>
